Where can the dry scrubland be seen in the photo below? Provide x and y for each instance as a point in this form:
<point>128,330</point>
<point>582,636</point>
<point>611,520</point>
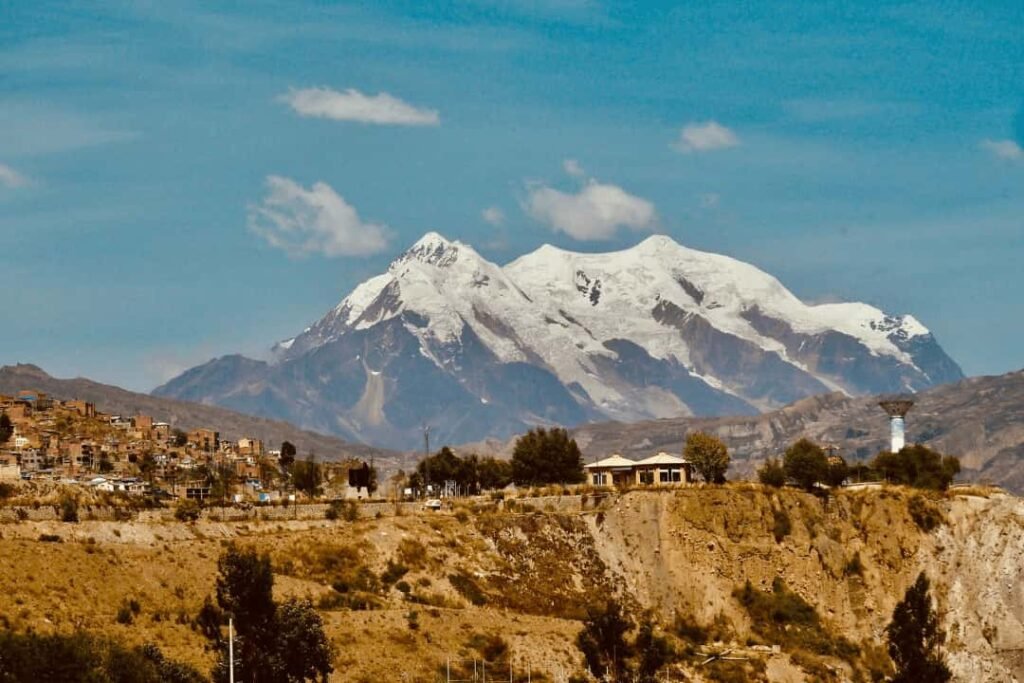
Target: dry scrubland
<point>400,594</point>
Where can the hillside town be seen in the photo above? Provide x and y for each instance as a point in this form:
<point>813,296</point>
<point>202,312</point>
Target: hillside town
<point>72,442</point>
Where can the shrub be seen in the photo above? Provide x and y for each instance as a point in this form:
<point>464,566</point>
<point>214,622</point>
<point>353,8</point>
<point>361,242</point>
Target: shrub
<point>6,490</point>
<point>412,553</point>
<point>413,620</point>
<point>68,509</point>
<point>772,473</point>
<point>490,646</point>
<point>854,566</point>
<point>467,586</point>
<point>393,572</point>
<point>688,629</point>
<point>187,511</point>
<point>342,509</point>
<point>784,617</point>
<point>781,524</point>
<point>926,516</point>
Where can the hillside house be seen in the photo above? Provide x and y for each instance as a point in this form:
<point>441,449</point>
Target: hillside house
<point>662,469</point>
<point>204,439</point>
<point>83,408</point>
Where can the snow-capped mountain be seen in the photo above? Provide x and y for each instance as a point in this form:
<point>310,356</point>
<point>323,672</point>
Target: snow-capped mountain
<point>449,339</point>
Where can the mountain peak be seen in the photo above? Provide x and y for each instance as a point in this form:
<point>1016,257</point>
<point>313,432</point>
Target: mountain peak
<point>657,242</point>
<point>433,248</point>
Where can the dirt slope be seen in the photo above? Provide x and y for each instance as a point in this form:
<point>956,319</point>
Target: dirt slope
<point>528,576</point>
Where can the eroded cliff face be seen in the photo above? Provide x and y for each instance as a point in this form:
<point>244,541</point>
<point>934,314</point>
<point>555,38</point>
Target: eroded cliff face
<point>686,552</point>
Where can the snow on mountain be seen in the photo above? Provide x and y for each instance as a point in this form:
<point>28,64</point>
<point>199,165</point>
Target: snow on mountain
<point>656,330</point>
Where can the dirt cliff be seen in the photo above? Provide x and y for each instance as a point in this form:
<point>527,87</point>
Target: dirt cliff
<point>404,595</point>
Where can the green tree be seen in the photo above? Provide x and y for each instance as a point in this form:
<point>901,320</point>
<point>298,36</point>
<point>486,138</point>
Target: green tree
<point>494,473</point>
<point>709,456</point>
<point>546,456</point>
<point>274,642</point>
<point>6,428</point>
<point>308,476</point>
<point>914,638</point>
<point>917,466</point>
<point>805,462</point>
<point>303,648</point>
<point>180,438</point>
<point>287,454</point>
<point>837,471</point>
<point>652,651</point>
<point>603,640</point>
<point>772,473</point>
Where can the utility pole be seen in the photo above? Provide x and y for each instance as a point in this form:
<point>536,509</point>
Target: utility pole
<point>426,456</point>
<point>231,650</point>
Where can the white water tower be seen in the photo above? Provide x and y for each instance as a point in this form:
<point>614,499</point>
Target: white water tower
<point>897,408</point>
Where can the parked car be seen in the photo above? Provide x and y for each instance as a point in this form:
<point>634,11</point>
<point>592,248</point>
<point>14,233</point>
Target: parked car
<point>432,504</point>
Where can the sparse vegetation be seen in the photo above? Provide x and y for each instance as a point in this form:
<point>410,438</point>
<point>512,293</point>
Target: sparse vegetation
<point>772,473</point>
<point>467,586</point>
<point>781,616</point>
<point>187,511</point>
<point>781,524</point>
<point>926,515</point>
<point>68,509</point>
<point>82,658</point>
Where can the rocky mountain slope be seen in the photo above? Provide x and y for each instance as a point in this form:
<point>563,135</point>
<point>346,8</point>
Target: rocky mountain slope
<point>185,415</point>
<point>476,350</point>
<point>980,420</point>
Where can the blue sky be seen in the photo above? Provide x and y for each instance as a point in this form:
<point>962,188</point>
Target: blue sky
<point>180,180</point>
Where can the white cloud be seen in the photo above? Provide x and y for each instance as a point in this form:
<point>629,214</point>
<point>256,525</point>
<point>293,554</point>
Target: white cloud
<point>594,213</point>
<point>1004,149</point>
<point>573,168</point>
<point>314,221</point>
<point>705,137</point>
<point>10,178</point>
<point>493,215</point>
<point>353,105</point>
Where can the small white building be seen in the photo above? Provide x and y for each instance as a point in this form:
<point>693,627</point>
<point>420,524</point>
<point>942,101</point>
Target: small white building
<point>661,469</point>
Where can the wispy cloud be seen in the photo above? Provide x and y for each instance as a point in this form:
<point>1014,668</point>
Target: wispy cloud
<point>596,212</point>
<point>1004,149</point>
<point>352,105</point>
<point>705,137</point>
<point>314,221</point>
<point>573,168</point>
<point>493,215</point>
<point>10,178</point>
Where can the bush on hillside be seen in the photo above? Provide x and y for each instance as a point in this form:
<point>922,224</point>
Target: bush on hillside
<point>82,658</point>
<point>187,510</point>
<point>917,466</point>
<point>772,473</point>
<point>781,616</point>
